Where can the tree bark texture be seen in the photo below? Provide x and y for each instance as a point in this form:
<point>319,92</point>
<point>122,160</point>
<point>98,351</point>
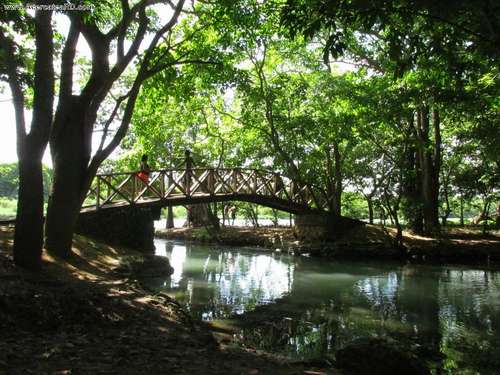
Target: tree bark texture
<point>70,155</point>
<point>369,201</point>
<point>75,117</point>
<point>169,223</point>
<point>462,221</point>
<point>412,187</point>
<point>447,209</point>
<point>334,179</point>
<point>28,236</point>
<point>200,215</point>
<point>429,155</point>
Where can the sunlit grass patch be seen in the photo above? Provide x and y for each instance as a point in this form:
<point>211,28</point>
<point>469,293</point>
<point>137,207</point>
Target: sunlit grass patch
<point>8,208</point>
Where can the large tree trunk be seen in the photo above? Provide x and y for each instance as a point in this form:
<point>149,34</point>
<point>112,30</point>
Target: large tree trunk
<point>252,214</point>
<point>369,201</point>
<point>430,160</point>
<point>62,212</point>
<point>447,209</point>
<point>412,187</point>
<point>417,224</point>
<point>71,131</point>
<point>70,154</point>
<point>169,222</point>
<point>486,214</point>
<point>28,235</point>
<point>462,221</point>
<point>382,215</point>
<point>334,179</point>
<point>430,173</point>
<point>200,215</point>
<point>337,207</point>
<point>76,115</point>
<point>497,219</point>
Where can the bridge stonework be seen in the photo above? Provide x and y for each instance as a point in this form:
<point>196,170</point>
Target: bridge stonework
<point>132,227</point>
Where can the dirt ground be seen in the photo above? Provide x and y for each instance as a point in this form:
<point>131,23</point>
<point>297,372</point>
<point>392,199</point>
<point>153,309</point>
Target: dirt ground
<point>267,237</point>
<point>81,317</point>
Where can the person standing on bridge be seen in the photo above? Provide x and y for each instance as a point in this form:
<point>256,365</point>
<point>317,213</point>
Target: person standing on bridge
<point>145,169</point>
<point>188,164</point>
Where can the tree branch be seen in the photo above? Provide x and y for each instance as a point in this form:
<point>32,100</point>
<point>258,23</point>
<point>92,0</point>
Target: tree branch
<point>67,62</point>
<point>122,29</point>
<point>121,131</point>
<point>111,118</point>
<point>43,98</point>
<point>105,85</point>
<point>99,46</point>
<point>157,69</point>
<point>168,26</point>
<point>129,15</point>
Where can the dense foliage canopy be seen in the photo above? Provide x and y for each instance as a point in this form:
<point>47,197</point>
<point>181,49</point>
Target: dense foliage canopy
<point>392,107</point>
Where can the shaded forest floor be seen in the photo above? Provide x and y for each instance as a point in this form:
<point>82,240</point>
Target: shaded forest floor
<point>81,317</point>
<point>453,245</point>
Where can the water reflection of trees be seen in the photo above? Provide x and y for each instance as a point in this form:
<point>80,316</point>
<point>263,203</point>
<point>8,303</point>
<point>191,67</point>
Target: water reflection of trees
<point>414,304</point>
<point>318,306</point>
<point>469,320</point>
<point>216,284</point>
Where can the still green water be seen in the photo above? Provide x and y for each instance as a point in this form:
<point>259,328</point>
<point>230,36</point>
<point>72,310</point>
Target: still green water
<point>308,308</point>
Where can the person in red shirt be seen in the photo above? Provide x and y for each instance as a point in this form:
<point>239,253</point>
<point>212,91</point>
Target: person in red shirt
<point>145,169</point>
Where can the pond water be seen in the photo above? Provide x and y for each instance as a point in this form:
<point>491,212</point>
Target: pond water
<point>307,308</point>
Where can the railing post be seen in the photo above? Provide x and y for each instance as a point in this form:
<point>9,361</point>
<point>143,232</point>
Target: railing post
<point>162,184</point>
<point>188,163</point>
<point>108,189</point>
<point>133,187</point>
<point>275,187</point>
<point>98,191</point>
<point>234,180</point>
<point>188,182</point>
<point>170,182</point>
<point>211,182</point>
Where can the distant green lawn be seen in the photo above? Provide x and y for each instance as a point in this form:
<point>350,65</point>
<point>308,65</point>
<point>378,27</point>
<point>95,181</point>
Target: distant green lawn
<point>7,208</point>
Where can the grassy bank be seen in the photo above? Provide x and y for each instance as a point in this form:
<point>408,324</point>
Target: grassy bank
<point>8,208</point>
<point>82,316</point>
